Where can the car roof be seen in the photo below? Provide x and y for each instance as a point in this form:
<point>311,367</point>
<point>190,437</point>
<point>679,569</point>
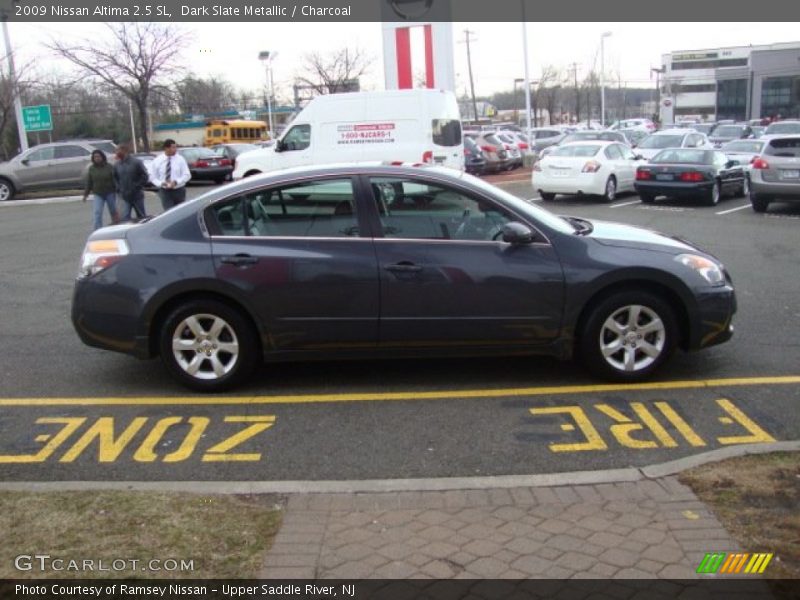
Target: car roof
<point>682,131</point>
<point>592,143</point>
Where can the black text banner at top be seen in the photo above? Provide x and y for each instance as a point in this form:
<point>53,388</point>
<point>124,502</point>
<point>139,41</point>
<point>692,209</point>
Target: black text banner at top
<point>398,11</point>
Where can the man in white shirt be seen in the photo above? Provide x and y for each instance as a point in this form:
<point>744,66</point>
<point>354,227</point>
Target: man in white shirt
<point>169,172</point>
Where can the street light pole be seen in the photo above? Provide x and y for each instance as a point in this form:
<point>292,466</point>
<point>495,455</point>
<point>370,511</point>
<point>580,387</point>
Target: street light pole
<point>603,78</point>
<point>267,57</point>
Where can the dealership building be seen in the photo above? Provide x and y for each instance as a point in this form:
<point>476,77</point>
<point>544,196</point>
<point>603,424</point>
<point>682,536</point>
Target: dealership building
<point>741,83</point>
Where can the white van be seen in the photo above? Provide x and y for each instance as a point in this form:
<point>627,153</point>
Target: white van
<point>400,125</point>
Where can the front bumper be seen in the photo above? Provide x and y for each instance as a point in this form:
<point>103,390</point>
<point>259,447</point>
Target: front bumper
<point>712,320</point>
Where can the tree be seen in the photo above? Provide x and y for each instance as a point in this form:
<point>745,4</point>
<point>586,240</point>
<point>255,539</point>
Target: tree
<point>336,72</point>
<point>200,96</point>
<point>135,61</point>
<point>549,90</point>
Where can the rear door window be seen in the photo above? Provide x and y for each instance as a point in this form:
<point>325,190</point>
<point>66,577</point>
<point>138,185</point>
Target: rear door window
<point>71,152</point>
<point>446,132</point>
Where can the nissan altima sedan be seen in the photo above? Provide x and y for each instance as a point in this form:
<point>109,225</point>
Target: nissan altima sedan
<point>362,261</point>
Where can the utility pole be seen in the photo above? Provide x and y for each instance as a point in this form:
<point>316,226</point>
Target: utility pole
<point>577,93</point>
<point>23,135</point>
<point>467,39</point>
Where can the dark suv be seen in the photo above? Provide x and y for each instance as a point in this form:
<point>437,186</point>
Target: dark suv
<point>49,166</point>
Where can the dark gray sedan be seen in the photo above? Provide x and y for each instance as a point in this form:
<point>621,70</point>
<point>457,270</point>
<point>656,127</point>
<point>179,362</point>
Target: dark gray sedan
<point>362,261</point>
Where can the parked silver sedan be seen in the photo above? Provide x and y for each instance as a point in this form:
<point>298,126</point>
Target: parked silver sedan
<point>775,175</point>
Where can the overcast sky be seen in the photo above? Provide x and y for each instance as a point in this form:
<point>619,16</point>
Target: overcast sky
<point>230,50</point>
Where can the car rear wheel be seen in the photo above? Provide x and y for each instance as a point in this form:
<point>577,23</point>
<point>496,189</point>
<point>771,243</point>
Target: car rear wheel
<point>207,345</point>
<point>628,336</point>
<point>745,192</point>
<point>611,190</point>
<point>6,190</point>
<point>712,199</point>
<point>547,197</point>
<point>758,202</point>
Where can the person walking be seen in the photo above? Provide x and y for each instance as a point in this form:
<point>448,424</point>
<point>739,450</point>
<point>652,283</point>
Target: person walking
<point>131,176</point>
<point>169,172</point>
<point>100,182</point>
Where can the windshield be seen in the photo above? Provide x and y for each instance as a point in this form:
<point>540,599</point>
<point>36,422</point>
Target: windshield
<point>536,213</point>
<point>576,150</point>
<point>681,155</point>
<point>776,128</point>
<point>744,146</point>
<point>106,147</point>
<point>662,141</point>
<point>704,128</point>
<point>729,131</point>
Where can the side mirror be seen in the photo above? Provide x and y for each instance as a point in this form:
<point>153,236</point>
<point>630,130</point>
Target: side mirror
<point>280,146</point>
<point>517,233</point>
<point>25,161</point>
<point>638,157</point>
<point>731,163</point>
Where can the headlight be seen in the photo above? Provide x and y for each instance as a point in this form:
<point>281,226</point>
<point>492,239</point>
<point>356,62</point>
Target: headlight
<point>707,269</point>
<point>98,255</point>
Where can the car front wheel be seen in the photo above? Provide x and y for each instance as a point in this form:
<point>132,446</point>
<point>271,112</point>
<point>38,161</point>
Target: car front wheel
<point>208,346</point>
<point>547,197</point>
<point>628,336</point>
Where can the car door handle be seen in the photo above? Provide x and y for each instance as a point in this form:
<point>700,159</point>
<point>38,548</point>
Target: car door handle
<point>404,267</point>
<point>239,260</point>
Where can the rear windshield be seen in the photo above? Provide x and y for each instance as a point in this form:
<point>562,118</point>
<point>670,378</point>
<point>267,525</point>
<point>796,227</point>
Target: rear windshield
<point>682,155</point>
<point>662,141</point>
<point>575,150</point>
<point>195,153</point>
<point>789,147</point>
<point>777,128</point>
<point>743,146</point>
<point>446,132</point>
<point>729,131</point>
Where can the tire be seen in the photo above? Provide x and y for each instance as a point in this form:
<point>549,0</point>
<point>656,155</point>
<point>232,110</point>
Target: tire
<point>219,180</point>
<point>611,189</point>
<point>759,202</point>
<point>647,198</point>
<point>192,326</point>
<point>7,190</point>
<point>642,346</point>
<point>547,197</point>
<point>745,191</point>
<point>251,173</point>
<point>712,199</point>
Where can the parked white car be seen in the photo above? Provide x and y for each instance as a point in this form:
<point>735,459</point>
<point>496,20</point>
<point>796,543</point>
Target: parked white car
<point>672,138</point>
<point>596,167</point>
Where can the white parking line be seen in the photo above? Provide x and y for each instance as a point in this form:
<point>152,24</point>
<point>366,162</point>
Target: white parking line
<point>537,199</point>
<point>730,210</point>
<point>625,204</point>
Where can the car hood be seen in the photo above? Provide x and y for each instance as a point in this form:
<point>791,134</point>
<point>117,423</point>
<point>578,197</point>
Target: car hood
<point>628,236</point>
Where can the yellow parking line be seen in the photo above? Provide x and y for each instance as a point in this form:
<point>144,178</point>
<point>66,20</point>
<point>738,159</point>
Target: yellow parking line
<point>398,396</point>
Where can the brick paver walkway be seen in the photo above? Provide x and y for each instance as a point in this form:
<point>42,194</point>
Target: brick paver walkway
<point>646,529</point>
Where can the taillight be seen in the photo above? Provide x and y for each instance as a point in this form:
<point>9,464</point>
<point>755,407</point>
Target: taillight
<point>200,164</point>
<point>488,148</point>
<point>643,175</point>
<point>99,255</point>
<point>225,162</point>
<point>467,152</point>
<point>507,147</point>
<point>523,146</point>
<point>760,163</point>
<point>427,156</point>
<point>591,167</point>
<point>692,176</point>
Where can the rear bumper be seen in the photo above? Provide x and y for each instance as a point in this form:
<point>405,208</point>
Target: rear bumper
<point>583,183</point>
<point>666,188</point>
<point>782,190</point>
<point>211,173</point>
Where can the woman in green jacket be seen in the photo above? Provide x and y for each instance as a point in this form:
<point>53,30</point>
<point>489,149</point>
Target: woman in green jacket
<point>100,182</point>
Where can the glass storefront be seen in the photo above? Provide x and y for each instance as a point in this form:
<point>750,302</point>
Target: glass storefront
<point>732,99</point>
<point>781,96</point>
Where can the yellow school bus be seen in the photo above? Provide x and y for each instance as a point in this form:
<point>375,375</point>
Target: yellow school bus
<point>233,131</point>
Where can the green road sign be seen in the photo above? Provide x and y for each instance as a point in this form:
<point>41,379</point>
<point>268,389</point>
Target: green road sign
<point>37,118</point>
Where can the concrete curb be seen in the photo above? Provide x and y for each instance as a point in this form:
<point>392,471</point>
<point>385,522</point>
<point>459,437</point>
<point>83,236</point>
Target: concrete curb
<point>630,474</point>
<point>41,201</point>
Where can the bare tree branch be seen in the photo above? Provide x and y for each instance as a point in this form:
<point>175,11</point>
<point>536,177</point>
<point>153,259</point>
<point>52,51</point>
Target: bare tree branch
<point>134,61</point>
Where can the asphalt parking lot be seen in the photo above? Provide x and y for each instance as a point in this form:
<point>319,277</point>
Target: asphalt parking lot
<point>69,412</point>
